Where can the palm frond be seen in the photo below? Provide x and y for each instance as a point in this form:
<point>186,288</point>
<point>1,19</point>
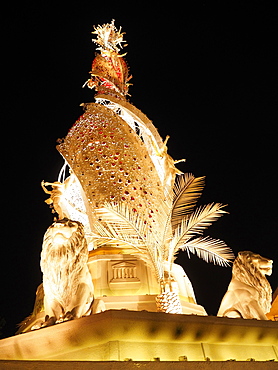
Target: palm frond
<point>210,250</point>
<point>193,225</point>
<point>109,239</point>
<point>120,219</point>
<point>187,191</point>
<point>118,225</point>
<point>135,249</point>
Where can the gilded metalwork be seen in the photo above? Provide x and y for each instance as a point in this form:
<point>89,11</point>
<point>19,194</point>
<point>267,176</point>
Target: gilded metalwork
<point>112,163</point>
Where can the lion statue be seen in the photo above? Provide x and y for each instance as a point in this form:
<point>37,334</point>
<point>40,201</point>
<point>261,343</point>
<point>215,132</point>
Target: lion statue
<point>67,282</point>
<point>249,293</point>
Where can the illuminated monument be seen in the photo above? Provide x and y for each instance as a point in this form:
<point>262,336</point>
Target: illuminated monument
<point>122,213</point>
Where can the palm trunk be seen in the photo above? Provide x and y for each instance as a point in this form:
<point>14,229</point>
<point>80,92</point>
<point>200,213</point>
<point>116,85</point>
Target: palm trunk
<point>168,300</point>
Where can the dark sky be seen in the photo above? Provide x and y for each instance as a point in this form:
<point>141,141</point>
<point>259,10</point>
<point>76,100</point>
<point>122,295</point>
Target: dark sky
<point>204,72</point>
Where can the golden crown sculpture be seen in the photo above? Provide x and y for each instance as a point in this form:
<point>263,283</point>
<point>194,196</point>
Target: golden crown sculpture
<point>133,194</point>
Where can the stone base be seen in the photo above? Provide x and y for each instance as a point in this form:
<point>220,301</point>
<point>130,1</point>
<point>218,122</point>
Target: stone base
<point>147,302</point>
<point>135,365</point>
<point>117,335</point>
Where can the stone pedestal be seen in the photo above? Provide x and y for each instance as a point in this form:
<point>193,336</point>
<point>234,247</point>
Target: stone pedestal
<point>122,281</point>
<point>118,335</point>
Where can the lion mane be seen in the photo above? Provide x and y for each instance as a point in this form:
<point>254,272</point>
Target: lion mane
<point>67,282</point>
<point>249,294</point>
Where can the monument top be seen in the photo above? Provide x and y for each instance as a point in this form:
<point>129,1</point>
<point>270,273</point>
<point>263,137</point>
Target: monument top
<point>109,72</point>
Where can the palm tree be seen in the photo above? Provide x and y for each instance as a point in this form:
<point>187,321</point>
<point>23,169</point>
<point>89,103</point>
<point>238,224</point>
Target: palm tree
<point>181,226</point>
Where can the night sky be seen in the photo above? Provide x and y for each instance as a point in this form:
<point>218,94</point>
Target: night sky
<point>204,73</point>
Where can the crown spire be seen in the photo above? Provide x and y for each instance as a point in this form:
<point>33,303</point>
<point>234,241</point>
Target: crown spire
<point>109,72</point>
<point>108,38</point>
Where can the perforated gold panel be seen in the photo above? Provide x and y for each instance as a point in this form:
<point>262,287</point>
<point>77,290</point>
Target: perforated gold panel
<point>112,163</point>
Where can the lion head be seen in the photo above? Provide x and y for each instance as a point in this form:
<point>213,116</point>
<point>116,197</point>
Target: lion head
<point>250,268</point>
<point>64,255</point>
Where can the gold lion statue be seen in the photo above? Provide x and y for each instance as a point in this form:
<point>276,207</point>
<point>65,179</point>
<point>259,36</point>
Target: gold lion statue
<point>249,293</point>
<point>67,282</point>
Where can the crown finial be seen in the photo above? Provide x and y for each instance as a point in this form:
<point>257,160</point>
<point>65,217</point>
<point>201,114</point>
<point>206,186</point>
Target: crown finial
<point>109,72</point>
<point>108,38</point>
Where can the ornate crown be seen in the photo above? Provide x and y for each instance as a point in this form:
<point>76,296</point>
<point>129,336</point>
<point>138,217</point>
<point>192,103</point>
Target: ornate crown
<point>109,72</point>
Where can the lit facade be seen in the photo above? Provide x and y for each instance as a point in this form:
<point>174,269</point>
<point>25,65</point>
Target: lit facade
<point>123,212</point>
